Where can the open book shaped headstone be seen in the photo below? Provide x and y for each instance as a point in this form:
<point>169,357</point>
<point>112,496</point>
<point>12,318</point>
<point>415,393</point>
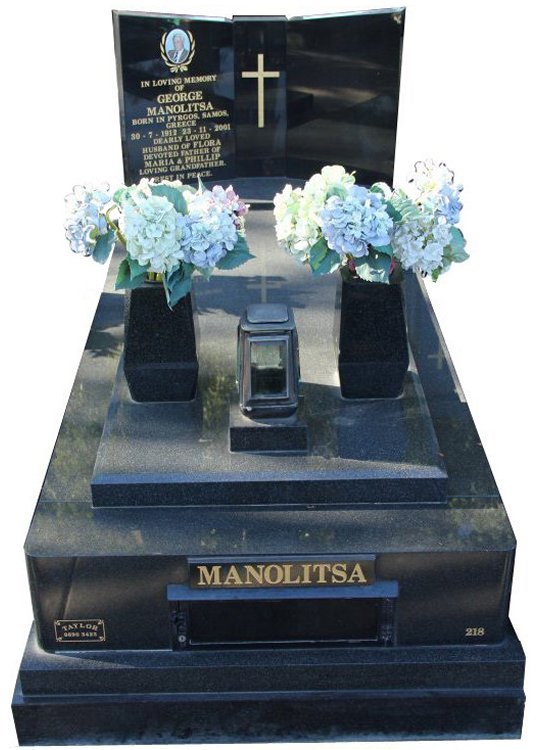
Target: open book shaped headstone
<point>262,100</point>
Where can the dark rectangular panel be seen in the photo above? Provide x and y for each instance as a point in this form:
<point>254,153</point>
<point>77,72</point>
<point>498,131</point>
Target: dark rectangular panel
<point>343,76</point>
<point>294,616</point>
<point>288,620</point>
<point>260,95</point>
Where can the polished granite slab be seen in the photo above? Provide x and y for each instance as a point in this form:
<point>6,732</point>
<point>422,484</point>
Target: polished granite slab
<point>451,563</point>
<point>65,523</point>
<point>374,451</point>
<point>331,93</point>
<point>453,560</point>
<point>279,695</point>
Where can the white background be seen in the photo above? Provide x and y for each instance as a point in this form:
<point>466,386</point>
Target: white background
<point>469,96</point>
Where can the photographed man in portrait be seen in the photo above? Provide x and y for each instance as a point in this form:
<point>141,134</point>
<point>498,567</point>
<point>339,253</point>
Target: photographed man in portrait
<point>178,46</point>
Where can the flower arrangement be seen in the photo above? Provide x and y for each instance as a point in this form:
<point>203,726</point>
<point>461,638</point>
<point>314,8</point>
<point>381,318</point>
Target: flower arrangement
<point>371,233</point>
<point>167,228</point>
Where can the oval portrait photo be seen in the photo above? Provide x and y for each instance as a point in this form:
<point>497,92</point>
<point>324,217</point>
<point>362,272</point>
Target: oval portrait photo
<point>177,46</point>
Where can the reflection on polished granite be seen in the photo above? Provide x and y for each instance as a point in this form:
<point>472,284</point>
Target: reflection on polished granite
<point>372,451</point>
<point>66,524</point>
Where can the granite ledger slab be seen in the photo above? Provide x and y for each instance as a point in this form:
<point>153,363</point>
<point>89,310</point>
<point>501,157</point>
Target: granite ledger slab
<point>122,572</point>
<point>360,451</point>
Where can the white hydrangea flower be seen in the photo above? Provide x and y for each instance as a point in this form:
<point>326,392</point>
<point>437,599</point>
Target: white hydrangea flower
<point>432,186</point>
<point>297,221</point>
<point>85,221</point>
<point>331,178</point>
<point>153,230</point>
<point>419,245</point>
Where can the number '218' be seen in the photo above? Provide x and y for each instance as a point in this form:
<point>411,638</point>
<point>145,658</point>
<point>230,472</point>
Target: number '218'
<point>474,632</point>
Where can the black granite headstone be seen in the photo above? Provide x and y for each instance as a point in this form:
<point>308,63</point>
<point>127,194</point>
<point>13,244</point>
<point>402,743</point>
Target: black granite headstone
<point>261,99</point>
<point>343,75</point>
<point>176,117</point>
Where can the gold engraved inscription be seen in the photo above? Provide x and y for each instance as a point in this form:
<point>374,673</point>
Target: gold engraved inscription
<point>242,575</point>
<point>183,132</point>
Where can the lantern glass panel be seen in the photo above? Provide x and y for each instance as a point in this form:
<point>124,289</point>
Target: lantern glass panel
<point>268,363</point>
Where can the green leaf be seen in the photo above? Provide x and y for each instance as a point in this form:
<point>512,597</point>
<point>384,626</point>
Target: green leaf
<point>179,290</point>
<point>236,257</point>
<point>375,267</point>
<point>241,245</point>
<point>457,245</point>
<point>317,253</point>
<point>172,194</point>
<point>458,256</point>
<point>206,273</point>
<point>233,259</point>
<point>124,280</point>
<point>379,187</point>
<point>178,283</point>
<point>339,190</point>
<point>135,268</point>
<point>392,212</point>
<point>386,249</point>
<point>330,263</point>
<point>120,194</point>
<point>402,203</point>
<point>123,274</point>
<point>458,240</point>
<point>103,247</point>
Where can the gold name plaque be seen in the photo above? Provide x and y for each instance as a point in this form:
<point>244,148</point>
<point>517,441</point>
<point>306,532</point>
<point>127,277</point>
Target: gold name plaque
<point>281,572</point>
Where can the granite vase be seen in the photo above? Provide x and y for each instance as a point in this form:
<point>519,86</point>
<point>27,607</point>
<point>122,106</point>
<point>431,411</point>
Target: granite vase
<point>371,339</point>
<point>160,346</point>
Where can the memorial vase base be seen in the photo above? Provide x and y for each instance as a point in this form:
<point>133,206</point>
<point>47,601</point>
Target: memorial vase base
<point>371,339</point>
<point>160,350</point>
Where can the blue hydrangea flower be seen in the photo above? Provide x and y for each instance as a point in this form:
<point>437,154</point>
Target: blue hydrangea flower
<point>351,224</point>
<point>210,230</point>
<point>85,221</point>
<point>450,205</point>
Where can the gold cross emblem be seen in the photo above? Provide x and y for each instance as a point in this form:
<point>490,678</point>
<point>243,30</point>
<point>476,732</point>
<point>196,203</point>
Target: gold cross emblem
<point>260,74</point>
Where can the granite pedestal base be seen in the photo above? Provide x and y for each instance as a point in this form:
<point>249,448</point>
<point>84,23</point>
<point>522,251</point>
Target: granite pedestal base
<point>266,695</point>
<point>282,436</point>
<point>360,452</point>
<point>119,576</point>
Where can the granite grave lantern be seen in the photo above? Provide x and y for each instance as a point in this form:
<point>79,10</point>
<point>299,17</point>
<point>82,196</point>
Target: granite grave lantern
<point>268,371</point>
